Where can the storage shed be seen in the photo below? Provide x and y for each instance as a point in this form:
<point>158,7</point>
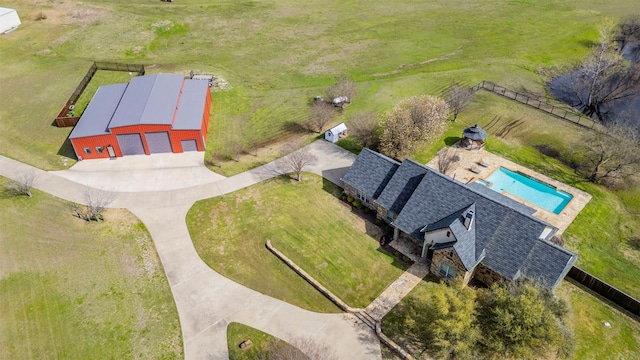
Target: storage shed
<point>9,20</point>
<point>149,115</point>
<point>336,133</point>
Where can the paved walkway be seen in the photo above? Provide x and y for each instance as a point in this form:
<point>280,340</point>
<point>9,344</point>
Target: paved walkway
<point>395,292</point>
<point>207,301</point>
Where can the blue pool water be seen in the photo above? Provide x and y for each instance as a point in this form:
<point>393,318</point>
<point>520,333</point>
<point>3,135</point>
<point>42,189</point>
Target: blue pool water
<point>529,189</point>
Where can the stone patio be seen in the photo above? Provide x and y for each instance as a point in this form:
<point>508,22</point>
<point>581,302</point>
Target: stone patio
<point>479,164</point>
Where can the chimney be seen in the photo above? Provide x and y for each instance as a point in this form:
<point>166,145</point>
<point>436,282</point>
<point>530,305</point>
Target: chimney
<point>468,219</point>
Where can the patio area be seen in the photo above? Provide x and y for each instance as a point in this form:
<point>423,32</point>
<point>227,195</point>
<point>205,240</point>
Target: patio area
<point>480,164</point>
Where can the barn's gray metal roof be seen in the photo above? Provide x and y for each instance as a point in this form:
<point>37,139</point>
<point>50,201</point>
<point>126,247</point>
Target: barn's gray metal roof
<point>192,100</point>
<point>96,117</point>
<point>149,100</point>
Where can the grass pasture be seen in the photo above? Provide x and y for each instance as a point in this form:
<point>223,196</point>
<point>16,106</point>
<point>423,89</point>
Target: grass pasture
<point>73,290</point>
<point>278,54</point>
<point>310,226</point>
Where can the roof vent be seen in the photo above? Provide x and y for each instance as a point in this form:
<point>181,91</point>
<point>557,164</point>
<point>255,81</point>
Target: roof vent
<point>468,219</point>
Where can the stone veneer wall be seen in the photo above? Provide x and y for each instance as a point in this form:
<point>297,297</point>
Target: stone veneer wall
<point>350,190</point>
<point>449,257</point>
<point>353,192</point>
<point>486,275</point>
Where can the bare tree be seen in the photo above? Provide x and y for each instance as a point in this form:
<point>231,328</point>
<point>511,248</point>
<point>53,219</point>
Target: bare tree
<point>23,184</point>
<point>458,98</point>
<point>297,158</point>
<point>363,127</point>
<point>343,87</point>
<point>416,119</point>
<point>629,31</point>
<point>446,158</point>
<point>611,154</point>
<point>604,77</point>
<point>96,202</point>
<point>321,114</point>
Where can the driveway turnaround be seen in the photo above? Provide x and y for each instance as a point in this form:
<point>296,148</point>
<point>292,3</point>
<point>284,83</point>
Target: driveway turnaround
<point>207,301</point>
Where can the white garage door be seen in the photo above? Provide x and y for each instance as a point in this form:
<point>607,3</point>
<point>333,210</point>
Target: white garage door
<point>158,142</point>
<point>189,145</point>
<point>130,144</point>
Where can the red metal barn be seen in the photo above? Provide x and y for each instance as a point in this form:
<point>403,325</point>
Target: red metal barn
<point>149,115</point>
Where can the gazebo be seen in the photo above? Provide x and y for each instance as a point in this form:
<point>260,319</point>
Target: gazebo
<point>473,137</point>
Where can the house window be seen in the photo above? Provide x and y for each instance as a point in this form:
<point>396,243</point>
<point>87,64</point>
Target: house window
<point>447,271</point>
<point>363,197</point>
<point>391,215</point>
<point>99,150</point>
<point>87,150</point>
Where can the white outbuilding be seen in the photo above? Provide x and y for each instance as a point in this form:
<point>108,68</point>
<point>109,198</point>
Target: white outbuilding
<point>9,20</point>
<point>336,133</point>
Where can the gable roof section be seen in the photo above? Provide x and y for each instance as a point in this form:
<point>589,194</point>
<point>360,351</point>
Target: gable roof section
<point>465,244</point>
<point>370,172</point>
<point>150,99</point>
<point>189,114</point>
<point>401,186</point>
<point>96,117</point>
<point>548,263</point>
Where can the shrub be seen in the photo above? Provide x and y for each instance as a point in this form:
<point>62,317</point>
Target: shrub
<point>41,16</point>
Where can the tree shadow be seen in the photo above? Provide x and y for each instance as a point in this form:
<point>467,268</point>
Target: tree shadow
<point>66,150</point>
<point>450,140</point>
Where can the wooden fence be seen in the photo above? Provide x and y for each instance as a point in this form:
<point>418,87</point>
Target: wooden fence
<point>65,117</point>
<point>607,291</point>
<point>545,105</point>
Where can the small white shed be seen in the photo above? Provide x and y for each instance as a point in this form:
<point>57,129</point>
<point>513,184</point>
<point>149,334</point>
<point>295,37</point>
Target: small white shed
<point>336,133</point>
<point>9,20</point>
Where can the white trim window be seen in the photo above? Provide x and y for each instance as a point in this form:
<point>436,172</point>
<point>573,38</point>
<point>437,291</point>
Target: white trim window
<point>391,216</point>
<point>447,270</point>
<point>363,197</point>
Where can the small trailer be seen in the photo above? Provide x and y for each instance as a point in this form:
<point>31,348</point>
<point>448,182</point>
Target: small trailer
<point>9,20</point>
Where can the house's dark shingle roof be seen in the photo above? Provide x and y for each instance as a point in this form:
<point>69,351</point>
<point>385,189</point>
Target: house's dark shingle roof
<point>401,186</point>
<point>548,263</point>
<point>371,172</point>
<point>504,236</point>
<point>504,200</point>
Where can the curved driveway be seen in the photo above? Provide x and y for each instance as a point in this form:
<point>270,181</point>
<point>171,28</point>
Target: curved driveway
<point>207,301</point>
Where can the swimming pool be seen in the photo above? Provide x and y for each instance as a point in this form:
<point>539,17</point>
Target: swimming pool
<point>527,188</point>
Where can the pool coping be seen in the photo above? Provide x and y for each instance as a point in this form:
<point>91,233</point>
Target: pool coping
<point>480,164</point>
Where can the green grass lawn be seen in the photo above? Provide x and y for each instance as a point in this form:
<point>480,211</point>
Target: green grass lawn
<point>277,55</point>
<point>74,290</point>
<point>238,333</point>
<point>585,319</point>
<point>310,226</point>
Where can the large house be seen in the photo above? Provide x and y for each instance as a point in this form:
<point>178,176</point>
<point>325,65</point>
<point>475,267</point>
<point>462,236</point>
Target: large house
<point>152,114</point>
<point>464,230</point>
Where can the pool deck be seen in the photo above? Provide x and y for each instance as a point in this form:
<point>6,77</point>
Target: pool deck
<point>479,164</point>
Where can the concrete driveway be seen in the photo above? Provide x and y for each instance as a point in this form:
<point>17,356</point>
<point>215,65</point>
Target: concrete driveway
<point>136,173</point>
<point>160,189</point>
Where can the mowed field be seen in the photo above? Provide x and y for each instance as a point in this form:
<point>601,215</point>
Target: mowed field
<point>276,55</point>
<point>78,290</point>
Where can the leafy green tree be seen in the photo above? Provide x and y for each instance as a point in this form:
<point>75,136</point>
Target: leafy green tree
<point>521,320</point>
<point>444,324</point>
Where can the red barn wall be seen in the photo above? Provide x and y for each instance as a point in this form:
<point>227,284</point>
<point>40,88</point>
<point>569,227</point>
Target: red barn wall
<point>95,141</point>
